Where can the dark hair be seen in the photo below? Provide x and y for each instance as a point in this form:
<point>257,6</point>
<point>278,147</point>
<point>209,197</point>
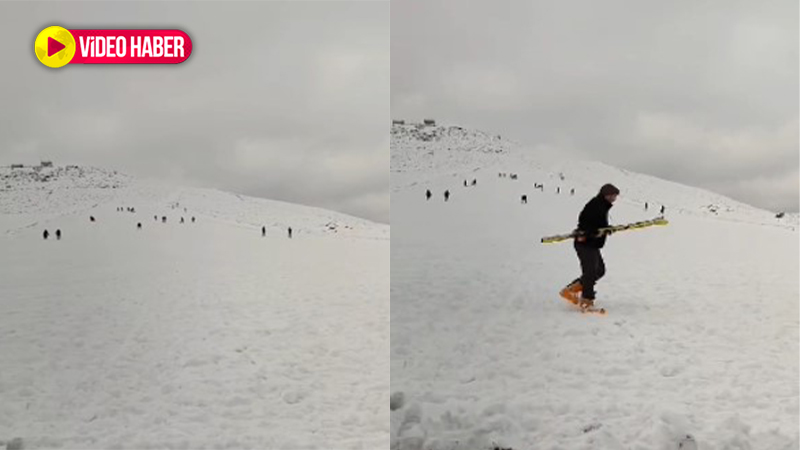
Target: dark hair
<point>609,189</point>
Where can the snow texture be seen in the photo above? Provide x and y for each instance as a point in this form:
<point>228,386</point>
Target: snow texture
<point>700,347</point>
<point>184,336</point>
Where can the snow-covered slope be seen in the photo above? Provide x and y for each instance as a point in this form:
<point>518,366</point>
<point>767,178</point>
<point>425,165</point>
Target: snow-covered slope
<point>51,192</point>
<point>701,337</point>
<point>420,148</point>
<point>423,153</point>
<point>193,335</point>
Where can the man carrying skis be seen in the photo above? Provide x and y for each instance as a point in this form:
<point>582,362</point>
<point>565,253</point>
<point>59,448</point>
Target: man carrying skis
<point>593,217</point>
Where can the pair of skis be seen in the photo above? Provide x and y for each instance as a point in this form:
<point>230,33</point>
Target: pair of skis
<point>658,221</point>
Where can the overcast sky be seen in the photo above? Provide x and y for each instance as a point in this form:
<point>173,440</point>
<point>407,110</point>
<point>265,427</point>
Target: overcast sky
<point>283,100</point>
<point>700,92</point>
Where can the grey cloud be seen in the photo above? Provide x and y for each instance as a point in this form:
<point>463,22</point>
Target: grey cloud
<point>277,99</point>
<point>704,93</point>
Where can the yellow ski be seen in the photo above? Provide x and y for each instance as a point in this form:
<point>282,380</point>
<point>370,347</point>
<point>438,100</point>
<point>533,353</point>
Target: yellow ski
<point>608,230</point>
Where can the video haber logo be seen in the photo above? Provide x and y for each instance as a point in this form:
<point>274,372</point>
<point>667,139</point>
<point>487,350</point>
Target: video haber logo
<point>57,46</point>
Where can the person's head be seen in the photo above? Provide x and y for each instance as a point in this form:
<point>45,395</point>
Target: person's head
<point>609,192</point>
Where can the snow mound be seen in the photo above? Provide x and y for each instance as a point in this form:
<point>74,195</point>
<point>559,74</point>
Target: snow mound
<point>425,153</point>
<point>29,195</point>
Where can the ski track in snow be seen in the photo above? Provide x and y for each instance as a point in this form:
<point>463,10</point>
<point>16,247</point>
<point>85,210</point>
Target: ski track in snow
<point>188,335</point>
<point>701,337</point>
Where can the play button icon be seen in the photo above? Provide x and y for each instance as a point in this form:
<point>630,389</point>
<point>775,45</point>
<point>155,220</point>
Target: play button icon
<point>53,46</point>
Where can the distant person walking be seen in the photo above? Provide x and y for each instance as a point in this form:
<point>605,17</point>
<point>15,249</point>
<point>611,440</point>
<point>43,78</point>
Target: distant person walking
<point>58,234</point>
<point>263,231</point>
<point>428,194</point>
<point>192,219</point>
<point>46,234</point>
<point>646,206</point>
<point>139,226</point>
<point>290,232</point>
<point>446,195</point>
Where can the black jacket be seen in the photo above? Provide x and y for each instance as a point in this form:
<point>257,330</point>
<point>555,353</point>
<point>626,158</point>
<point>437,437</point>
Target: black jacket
<point>593,217</point>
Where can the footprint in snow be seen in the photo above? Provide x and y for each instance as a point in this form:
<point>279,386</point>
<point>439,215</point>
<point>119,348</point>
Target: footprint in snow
<point>293,397</point>
<point>592,427</point>
<point>687,443</point>
<point>670,371</point>
<point>396,401</point>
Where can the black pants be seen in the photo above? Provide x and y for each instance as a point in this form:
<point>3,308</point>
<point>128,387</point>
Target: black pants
<point>592,267</point>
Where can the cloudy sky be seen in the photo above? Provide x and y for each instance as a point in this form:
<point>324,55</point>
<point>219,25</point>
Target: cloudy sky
<point>701,92</point>
<point>284,100</point>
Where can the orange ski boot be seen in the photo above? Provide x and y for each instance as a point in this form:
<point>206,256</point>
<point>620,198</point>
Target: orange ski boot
<point>586,303</point>
<point>572,292</point>
<point>587,306</point>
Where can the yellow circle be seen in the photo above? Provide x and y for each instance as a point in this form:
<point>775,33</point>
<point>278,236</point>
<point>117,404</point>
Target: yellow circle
<point>59,58</point>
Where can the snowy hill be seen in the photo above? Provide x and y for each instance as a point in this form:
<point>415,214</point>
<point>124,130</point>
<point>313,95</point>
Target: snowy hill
<point>418,148</point>
<point>186,335</point>
<point>421,153</point>
<point>701,339</point>
<point>62,190</point>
